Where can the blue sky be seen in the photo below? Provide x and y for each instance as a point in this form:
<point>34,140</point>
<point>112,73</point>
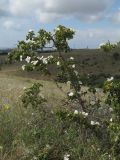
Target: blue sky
<point>95,21</point>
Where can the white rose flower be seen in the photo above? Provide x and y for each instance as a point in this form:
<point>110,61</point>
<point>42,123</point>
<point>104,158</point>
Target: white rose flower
<point>71,58</point>
<point>45,61</point>
<point>58,63</point>
<point>110,79</point>
<point>71,94</point>
<point>111,120</point>
<point>73,66</point>
<point>66,157</point>
<point>28,59</point>
<point>92,123</point>
<point>76,112</point>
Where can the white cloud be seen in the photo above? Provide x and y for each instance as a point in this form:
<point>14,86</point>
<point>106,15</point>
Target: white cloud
<point>44,17</point>
<point>24,14</point>
<point>24,7</point>
<point>9,24</point>
<point>48,10</point>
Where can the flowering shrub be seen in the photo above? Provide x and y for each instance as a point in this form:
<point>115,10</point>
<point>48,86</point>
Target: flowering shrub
<point>113,99</point>
<point>54,134</point>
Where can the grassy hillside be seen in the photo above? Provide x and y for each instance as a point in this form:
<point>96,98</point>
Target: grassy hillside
<point>93,65</point>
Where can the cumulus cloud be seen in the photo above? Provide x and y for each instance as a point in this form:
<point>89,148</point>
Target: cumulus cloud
<point>14,14</point>
<point>48,10</point>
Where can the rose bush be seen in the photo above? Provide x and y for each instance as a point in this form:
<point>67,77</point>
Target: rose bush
<point>87,132</point>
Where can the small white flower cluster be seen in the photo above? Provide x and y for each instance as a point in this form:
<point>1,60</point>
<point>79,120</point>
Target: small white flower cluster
<point>76,112</point>
<point>70,94</point>
<point>110,79</point>
<point>93,123</point>
<point>111,119</point>
<point>28,59</point>
<point>58,63</point>
<point>66,157</point>
<point>71,58</point>
<point>45,61</point>
<point>82,113</point>
<point>73,66</point>
<point>34,62</point>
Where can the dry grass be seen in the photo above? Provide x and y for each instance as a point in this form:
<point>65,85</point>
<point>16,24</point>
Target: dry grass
<point>11,88</point>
